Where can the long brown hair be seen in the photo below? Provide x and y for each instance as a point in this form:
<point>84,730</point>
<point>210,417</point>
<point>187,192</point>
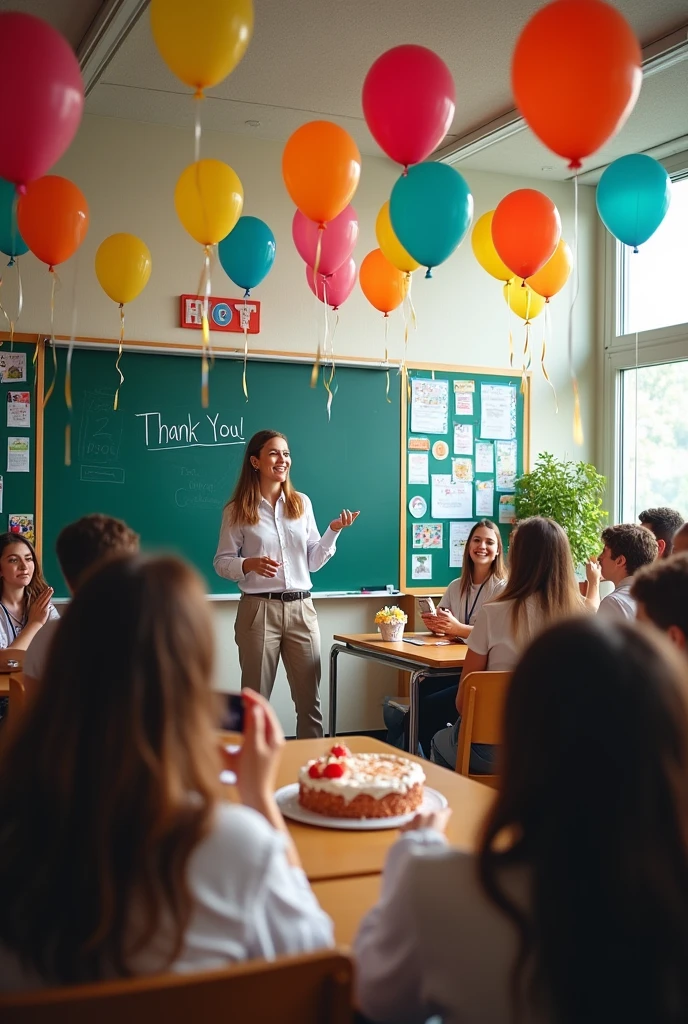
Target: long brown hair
<point>594,800</point>
<point>38,583</point>
<point>497,568</point>
<point>540,565</point>
<point>242,507</point>
<point>111,781</point>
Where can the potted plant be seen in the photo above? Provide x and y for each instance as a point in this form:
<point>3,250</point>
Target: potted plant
<point>391,621</point>
<point>571,494</point>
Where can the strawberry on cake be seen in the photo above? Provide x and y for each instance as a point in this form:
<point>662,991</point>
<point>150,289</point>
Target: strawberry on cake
<point>345,785</point>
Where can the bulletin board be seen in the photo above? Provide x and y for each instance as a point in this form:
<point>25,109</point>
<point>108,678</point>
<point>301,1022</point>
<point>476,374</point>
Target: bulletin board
<point>465,438</point>
<point>20,401</point>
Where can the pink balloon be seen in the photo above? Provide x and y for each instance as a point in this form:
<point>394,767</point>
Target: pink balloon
<point>42,97</point>
<point>408,102</point>
<point>334,288</point>
<point>338,240</point>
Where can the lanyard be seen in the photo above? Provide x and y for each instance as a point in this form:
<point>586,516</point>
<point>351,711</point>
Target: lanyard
<point>469,613</point>
<point>10,623</point>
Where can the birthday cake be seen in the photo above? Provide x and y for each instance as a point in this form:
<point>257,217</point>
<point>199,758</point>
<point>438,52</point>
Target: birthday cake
<point>345,785</point>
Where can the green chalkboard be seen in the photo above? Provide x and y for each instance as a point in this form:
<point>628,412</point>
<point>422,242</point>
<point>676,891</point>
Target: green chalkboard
<point>467,428</point>
<point>18,498</point>
<point>167,466</point>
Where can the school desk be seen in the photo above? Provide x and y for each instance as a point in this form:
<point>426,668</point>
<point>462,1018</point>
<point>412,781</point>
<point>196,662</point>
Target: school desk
<point>333,853</point>
<point>427,662</point>
<point>347,901</point>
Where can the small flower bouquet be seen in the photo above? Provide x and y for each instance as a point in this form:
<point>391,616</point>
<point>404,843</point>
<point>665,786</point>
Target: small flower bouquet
<point>391,622</point>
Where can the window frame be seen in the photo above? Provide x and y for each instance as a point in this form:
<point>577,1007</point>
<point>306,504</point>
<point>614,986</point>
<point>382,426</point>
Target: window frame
<point>661,345</point>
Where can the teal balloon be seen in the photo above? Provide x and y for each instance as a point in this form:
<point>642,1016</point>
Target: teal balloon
<point>633,197</point>
<point>248,252</point>
<point>11,242</point>
<point>431,209</point>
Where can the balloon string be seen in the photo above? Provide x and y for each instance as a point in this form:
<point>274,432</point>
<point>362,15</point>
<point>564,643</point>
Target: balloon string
<point>547,330</point>
<point>245,315</point>
<point>318,356</point>
<point>387,398</point>
<point>68,369</point>
<point>198,99</point>
<point>635,438</point>
<point>55,284</point>
<point>119,356</point>
<point>577,422</point>
<point>330,386</point>
<point>20,302</point>
<point>414,322</point>
<point>526,356</point>
<point>325,351</point>
<point>204,294</point>
<point>508,320</point>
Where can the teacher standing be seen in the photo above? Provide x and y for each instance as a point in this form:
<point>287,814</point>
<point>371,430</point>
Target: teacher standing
<point>269,544</point>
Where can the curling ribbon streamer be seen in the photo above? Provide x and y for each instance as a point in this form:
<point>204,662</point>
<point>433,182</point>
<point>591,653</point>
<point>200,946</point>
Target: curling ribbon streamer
<point>388,399</point>
<point>204,293</point>
<point>508,320</point>
<point>409,310</point>
<point>325,345</point>
<point>244,323</point>
<point>20,301</point>
<point>119,356</point>
<point>330,385</point>
<point>318,250</point>
<point>548,331</point>
<point>577,423</point>
<point>55,284</point>
<point>68,371</point>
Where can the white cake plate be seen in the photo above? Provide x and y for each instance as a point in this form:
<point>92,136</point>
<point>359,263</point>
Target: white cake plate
<point>288,801</point>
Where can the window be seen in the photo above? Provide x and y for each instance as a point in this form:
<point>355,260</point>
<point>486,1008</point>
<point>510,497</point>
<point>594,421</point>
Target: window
<point>654,281</point>
<point>659,435</point>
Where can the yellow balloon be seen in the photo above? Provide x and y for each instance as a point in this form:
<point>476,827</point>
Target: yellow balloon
<point>390,244</point>
<point>484,250</point>
<point>201,41</point>
<point>123,266</point>
<point>208,199</point>
<point>523,300</point>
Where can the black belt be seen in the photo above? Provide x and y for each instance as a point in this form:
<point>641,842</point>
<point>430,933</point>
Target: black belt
<point>284,595</point>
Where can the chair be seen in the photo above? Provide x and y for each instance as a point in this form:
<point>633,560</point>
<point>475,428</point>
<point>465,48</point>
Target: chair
<point>310,989</point>
<point>481,720</point>
<point>17,695</point>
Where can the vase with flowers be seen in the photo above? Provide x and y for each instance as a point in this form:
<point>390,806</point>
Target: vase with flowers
<point>391,621</point>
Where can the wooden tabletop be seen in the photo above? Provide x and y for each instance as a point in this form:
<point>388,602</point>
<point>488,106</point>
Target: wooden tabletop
<point>450,656</point>
<point>334,853</point>
<point>347,900</point>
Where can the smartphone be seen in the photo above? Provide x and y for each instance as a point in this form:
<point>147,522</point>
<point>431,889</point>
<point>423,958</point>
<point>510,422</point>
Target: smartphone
<point>427,606</point>
<point>233,717</point>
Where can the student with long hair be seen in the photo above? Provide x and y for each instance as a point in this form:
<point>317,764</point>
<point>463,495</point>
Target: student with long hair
<point>575,907</point>
<point>24,594</point>
<point>541,590</point>
<point>483,576</point>
<point>124,859</point>
<point>269,545</point>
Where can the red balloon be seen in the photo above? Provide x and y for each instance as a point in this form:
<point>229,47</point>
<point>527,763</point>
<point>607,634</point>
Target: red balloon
<point>53,218</point>
<point>526,229</point>
<point>42,97</point>
<point>337,241</point>
<point>334,289</point>
<point>408,102</point>
<point>576,74</point>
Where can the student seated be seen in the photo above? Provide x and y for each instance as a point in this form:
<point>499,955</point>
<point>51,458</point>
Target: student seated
<point>663,523</point>
<point>661,595</point>
<point>79,547</point>
<point>575,907</point>
<point>541,590</point>
<point>123,857</point>
<point>680,546</point>
<point>482,577</point>
<point>627,548</point>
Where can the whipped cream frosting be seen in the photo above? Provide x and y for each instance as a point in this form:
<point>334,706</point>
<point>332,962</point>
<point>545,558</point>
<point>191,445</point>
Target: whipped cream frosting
<point>375,775</point>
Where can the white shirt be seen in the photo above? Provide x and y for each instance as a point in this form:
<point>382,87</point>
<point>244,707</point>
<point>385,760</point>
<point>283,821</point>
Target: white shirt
<point>249,902</point>
<point>477,596</point>
<point>435,944</point>
<point>619,604</point>
<point>36,657</point>
<point>294,542</point>
<point>493,635</point>
<point>10,630</point>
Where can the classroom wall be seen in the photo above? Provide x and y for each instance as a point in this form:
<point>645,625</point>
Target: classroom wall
<point>128,171</point>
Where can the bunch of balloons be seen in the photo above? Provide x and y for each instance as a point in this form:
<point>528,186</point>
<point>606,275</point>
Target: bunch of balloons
<point>321,167</point>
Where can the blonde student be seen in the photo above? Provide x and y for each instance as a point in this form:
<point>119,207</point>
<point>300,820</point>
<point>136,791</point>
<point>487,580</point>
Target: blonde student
<point>124,858</point>
<point>269,545</point>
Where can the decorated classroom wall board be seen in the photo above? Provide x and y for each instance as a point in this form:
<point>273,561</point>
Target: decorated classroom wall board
<point>19,397</point>
<point>465,438</point>
<point>167,466</point>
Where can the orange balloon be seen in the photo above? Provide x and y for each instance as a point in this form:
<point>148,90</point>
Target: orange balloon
<point>321,167</point>
<point>526,228</point>
<point>53,218</point>
<point>555,273</point>
<point>576,74</point>
<point>382,284</point>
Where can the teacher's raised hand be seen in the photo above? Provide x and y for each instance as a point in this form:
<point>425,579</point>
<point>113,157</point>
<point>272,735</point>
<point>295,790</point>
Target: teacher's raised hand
<point>345,519</point>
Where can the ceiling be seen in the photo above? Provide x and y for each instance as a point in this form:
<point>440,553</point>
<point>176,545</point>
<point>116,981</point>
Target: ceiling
<point>308,60</point>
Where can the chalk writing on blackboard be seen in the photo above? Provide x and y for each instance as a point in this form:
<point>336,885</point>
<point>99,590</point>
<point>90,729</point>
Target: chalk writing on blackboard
<point>208,432</point>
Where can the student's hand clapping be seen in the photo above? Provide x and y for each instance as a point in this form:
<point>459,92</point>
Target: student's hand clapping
<point>345,519</point>
<point>40,608</point>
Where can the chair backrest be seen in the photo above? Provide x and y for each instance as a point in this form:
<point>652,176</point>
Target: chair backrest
<point>17,694</point>
<point>481,721</point>
<point>311,989</point>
